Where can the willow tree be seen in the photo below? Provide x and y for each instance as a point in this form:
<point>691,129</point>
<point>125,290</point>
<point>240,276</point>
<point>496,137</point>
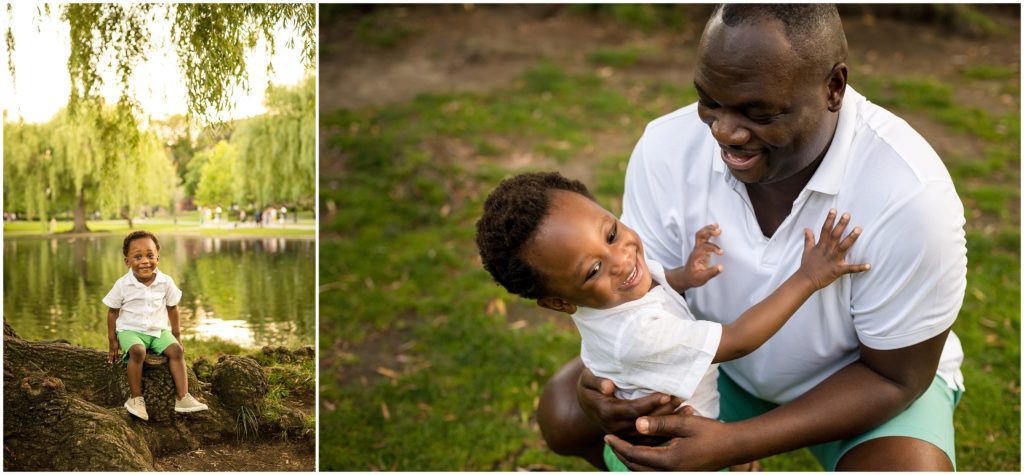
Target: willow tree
<point>218,176</point>
<point>97,158</point>
<point>277,150</point>
<point>211,41</point>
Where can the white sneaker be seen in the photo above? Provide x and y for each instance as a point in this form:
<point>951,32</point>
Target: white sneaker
<point>137,407</point>
<point>189,404</point>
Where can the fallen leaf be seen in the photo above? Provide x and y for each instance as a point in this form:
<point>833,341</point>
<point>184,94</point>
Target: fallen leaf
<point>387,372</point>
<point>384,411</point>
<point>496,306</point>
<point>518,325</point>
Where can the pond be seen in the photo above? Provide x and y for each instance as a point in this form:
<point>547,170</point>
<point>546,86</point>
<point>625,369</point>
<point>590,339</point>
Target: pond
<point>249,291</point>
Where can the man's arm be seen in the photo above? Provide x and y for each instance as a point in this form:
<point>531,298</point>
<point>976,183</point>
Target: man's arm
<point>855,399</point>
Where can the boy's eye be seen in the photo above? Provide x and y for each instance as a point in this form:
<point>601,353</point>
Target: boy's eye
<point>614,232</point>
<point>593,271</point>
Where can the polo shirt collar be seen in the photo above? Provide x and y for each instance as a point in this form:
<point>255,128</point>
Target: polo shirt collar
<point>829,175</point>
<point>134,281</point>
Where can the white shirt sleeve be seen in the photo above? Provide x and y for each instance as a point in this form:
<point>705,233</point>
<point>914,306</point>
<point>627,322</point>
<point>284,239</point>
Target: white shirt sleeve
<point>916,284</point>
<point>173,295</point>
<point>647,207</point>
<point>668,354</point>
<point>114,298</point>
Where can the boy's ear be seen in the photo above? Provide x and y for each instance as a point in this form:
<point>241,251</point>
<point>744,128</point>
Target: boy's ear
<point>557,304</point>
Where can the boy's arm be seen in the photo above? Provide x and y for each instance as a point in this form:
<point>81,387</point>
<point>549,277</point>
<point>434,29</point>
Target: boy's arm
<point>172,315</point>
<point>820,265</point>
<point>115,347</point>
<point>698,269</point>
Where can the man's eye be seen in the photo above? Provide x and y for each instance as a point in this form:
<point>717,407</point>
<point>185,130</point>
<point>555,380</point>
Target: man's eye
<point>707,103</point>
<point>764,119</point>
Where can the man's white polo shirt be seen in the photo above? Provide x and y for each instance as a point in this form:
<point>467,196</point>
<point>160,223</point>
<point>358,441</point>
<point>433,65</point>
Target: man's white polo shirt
<point>143,309</point>
<point>880,171</point>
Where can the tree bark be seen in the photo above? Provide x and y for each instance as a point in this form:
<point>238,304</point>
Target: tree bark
<point>80,226</point>
<point>63,410</point>
<point>126,214</point>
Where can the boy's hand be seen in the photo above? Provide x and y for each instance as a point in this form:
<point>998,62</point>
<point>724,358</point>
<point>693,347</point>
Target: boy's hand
<point>824,262</point>
<point>115,351</point>
<point>698,269</point>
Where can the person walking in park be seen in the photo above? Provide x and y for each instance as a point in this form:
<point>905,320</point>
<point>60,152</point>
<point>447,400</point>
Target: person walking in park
<point>867,372</point>
<point>140,305</point>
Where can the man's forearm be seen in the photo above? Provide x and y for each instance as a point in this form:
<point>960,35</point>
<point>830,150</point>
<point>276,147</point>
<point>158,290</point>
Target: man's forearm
<point>855,399</point>
<point>851,401</point>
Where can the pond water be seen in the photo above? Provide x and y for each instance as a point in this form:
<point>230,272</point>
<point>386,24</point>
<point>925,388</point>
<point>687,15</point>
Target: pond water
<point>249,291</point>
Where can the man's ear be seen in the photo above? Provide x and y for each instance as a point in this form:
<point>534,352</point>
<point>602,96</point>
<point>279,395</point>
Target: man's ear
<point>837,86</point>
<point>557,304</point>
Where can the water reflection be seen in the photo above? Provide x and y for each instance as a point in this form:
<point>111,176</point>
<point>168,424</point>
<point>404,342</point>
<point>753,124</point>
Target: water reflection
<point>252,292</point>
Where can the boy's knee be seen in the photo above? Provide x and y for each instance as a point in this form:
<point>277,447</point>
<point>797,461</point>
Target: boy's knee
<point>174,351</point>
<point>137,353</point>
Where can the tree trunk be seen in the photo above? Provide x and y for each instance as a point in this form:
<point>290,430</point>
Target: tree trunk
<point>125,213</point>
<point>80,226</point>
<point>63,409</point>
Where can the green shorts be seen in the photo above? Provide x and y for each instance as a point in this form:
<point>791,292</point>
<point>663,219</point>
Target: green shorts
<point>129,338</point>
<point>929,418</point>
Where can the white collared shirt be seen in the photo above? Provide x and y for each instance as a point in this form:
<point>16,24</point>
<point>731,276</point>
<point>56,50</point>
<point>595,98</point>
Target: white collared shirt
<point>880,171</point>
<point>143,309</point>
<point>653,344</point>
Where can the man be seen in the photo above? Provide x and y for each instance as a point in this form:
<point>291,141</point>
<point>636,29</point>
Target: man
<point>866,374</point>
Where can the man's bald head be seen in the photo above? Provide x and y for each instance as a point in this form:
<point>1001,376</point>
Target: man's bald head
<point>814,31</point>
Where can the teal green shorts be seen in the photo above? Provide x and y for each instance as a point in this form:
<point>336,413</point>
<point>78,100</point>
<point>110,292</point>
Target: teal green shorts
<point>929,418</point>
<point>129,338</point>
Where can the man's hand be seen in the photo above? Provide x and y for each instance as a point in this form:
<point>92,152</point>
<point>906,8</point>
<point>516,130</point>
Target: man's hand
<point>115,350</point>
<point>697,444</point>
<point>617,416</point>
<point>698,269</point>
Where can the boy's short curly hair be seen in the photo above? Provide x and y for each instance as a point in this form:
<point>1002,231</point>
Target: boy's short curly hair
<point>140,234</point>
<point>512,214</point>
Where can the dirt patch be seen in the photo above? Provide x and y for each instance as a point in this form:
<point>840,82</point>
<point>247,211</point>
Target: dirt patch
<point>447,48</point>
<point>259,456</point>
<point>380,355</point>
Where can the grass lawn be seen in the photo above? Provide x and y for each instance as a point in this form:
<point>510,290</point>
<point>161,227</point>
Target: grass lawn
<point>428,365</point>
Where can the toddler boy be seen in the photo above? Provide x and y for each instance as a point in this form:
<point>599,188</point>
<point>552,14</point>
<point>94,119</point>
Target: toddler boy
<point>544,237</point>
<point>140,304</point>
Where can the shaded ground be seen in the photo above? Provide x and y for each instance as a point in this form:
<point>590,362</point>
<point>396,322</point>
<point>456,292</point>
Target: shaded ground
<point>261,456</point>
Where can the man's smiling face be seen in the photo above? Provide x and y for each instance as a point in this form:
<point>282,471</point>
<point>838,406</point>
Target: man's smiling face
<point>766,107</point>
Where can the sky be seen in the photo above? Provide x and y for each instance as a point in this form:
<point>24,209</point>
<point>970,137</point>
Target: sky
<point>42,84</point>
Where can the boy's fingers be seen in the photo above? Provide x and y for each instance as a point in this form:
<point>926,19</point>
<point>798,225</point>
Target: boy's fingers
<point>837,232</point>
<point>856,268</point>
<point>850,239</point>
<point>826,228</point>
<point>808,238</point>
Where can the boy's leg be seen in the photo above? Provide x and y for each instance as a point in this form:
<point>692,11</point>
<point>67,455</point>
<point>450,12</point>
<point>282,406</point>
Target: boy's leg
<point>136,355</point>
<point>134,346</point>
<point>168,346</point>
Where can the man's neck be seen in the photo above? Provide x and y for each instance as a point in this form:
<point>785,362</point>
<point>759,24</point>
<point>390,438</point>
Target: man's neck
<point>773,202</point>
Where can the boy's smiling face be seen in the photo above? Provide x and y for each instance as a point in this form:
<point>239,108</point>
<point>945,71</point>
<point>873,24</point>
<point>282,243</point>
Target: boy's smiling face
<point>143,257</point>
<point>588,257</point>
